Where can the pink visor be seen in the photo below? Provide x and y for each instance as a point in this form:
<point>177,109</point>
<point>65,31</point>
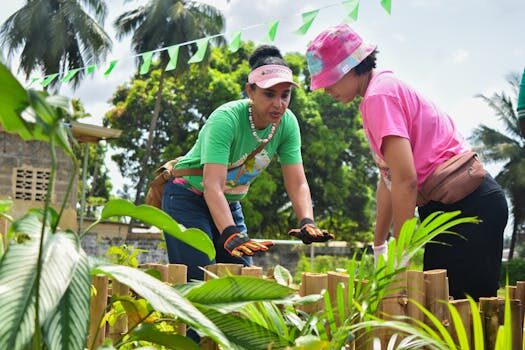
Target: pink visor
<point>271,74</point>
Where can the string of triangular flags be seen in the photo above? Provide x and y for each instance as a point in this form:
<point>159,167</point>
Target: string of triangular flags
<point>351,8</point>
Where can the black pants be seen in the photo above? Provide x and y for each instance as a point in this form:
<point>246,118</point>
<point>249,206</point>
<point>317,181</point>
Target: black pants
<point>473,261</point>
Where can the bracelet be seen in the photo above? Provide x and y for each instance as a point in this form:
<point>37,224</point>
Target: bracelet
<point>306,221</point>
<point>230,230</point>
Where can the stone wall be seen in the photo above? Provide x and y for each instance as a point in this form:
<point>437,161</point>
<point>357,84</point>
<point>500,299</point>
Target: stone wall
<point>286,254</point>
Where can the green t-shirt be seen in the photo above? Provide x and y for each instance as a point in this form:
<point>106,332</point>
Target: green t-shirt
<point>227,139</point>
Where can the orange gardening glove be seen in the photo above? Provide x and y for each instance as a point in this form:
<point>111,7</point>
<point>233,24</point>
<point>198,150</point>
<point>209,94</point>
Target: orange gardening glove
<point>239,244</point>
<point>309,232</point>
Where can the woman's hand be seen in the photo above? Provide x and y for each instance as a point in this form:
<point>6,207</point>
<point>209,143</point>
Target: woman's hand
<point>310,233</point>
<point>238,244</point>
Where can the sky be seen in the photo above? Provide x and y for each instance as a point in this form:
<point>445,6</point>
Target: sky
<point>449,50</point>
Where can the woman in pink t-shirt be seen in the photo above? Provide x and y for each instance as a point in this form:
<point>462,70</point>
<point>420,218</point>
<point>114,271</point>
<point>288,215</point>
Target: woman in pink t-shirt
<point>410,137</point>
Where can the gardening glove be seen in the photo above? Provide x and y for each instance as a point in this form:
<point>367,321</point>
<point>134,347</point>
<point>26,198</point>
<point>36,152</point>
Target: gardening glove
<point>309,232</point>
<point>380,250</point>
<point>238,244</point>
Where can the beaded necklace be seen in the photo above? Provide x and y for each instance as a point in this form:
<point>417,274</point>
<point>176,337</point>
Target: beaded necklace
<point>254,130</point>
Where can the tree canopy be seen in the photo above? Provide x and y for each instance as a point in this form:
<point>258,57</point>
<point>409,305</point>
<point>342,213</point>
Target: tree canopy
<point>340,172</point>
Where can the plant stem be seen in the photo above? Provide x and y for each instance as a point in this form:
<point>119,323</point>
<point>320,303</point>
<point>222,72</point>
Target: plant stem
<point>36,339</point>
<point>119,343</point>
<point>68,191</point>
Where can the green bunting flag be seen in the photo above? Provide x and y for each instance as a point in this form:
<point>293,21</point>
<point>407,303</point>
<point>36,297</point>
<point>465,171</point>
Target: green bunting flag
<point>308,19</point>
<point>112,65</point>
<point>235,43</point>
<point>146,62</point>
<point>49,79</point>
<point>90,69</point>
<point>521,98</point>
<point>272,30</point>
<point>70,75</point>
<point>202,46</point>
<point>352,7</point>
<point>387,5</point>
<point>34,80</point>
<point>173,52</point>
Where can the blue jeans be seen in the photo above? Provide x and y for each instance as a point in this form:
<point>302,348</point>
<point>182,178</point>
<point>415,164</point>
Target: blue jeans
<point>191,210</point>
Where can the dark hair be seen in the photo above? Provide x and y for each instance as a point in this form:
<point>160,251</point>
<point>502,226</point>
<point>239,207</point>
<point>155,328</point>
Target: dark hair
<point>367,64</point>
<point>266,54</point>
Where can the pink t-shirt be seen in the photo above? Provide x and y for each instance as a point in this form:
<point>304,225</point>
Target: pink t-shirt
<point>392,108</point>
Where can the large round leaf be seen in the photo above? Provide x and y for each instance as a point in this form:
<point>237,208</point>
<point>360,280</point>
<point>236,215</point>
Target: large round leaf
<point>13,100</point>
<point>153,216</point>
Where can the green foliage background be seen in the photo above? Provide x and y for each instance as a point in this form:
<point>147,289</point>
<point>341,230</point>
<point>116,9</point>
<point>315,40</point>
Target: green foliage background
<point>339,169</point>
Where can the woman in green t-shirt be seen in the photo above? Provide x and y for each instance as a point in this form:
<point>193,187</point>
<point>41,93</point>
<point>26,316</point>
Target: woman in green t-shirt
<point>235,145</point>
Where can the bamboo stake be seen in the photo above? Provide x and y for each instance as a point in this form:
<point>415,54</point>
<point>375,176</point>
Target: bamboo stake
<point>121,325</point>
<point>394,304</point>
<point>416,292</point>
<point>517,335</point>
<point>177,274</point>
<point>228,269</point>
<point>512,292</point>
<point>162,268</point>
<point>313,283</point>
<point>463,307</point>
<point>436,294</point>
<point>334,279</point>
<point>96,312</point>
<point>520,294</point>
<point>212,268</point>
<point>254,271</point>
<point>489,307</point>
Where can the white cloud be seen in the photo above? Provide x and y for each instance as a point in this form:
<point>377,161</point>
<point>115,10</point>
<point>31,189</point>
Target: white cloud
<point>460,56</point>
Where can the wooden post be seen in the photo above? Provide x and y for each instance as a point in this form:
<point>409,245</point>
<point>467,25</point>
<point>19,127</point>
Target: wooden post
<point>177,274</point>
<point>436,295</point>
<point>394,304</point>
<point>463,307</point>
<point>313,283</point>
<point>520,294</point>
<point>415,291</point>
<point>517,330</point>
<point>228,269</point>
<point>212,268</point>
<point>121,325</point>
<point>254,271</point>
<point>512,292</point>
<point>334,279</point>
<point>162,268</point>
<point>489,308</point>
<point>97,309</point>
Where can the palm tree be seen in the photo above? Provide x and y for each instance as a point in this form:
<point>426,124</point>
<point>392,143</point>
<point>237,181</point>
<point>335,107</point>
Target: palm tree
<point>57,35</point>
<point>158,24</point>
<point>508,147</point>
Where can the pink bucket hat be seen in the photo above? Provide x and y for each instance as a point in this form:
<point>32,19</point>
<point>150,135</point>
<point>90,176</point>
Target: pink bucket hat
<point>271,74</point>
<point>333,53</point>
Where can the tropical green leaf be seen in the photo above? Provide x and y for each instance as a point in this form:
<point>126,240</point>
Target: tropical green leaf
<point>156,217</point>
<point>477,325</point>
<point>245,334</point>
<point>150,333</point>
<point>237,289</point>
<point>13,100</point>
<point>162,298</point>
<point>282,276</point>
<point>67,327</point>
<point>18,271</point>
<point>459,327</point>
